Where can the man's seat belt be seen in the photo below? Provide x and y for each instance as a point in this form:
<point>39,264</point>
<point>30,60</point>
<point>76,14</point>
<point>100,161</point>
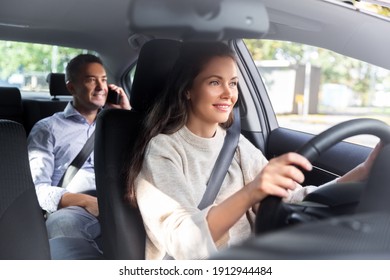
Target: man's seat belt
<point>77,162</point>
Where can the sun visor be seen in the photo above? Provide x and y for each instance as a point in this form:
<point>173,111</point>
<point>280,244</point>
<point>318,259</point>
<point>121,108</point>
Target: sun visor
<point>199,19</point>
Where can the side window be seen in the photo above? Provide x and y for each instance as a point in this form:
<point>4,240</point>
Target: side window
<point>131,74</point>
<point>312,89</point>
<point>129,78</point>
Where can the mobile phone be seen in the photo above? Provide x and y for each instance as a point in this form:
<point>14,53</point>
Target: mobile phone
<point>113,97</point>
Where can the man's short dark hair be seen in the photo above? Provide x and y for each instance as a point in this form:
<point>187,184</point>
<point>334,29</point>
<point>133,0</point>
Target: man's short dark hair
<point>75,64</point>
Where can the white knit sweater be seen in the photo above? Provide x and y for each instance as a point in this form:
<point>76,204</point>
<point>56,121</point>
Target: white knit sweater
<point>172,182</point>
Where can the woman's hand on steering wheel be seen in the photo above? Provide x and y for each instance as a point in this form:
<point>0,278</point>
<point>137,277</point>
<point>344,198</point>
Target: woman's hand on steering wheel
<point>280,175</point>
<point>361,172</point>
<point>270,215</point>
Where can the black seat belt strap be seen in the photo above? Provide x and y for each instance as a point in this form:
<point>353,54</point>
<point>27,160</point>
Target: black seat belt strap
<point>77,162</point>
<point>223,162</point>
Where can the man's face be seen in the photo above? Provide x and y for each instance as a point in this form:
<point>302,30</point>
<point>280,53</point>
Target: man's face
<point>89,89</point>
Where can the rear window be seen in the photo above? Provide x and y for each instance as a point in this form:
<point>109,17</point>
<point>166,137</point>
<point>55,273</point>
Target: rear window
<point>26,65</point>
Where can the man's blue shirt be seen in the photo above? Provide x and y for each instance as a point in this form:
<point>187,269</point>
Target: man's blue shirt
<point>52,145</point>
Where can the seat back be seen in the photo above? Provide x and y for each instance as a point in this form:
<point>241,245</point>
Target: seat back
<point>123,233</point>
<point>35,110</point>
<point>22,227</point>
<point>11,104</point>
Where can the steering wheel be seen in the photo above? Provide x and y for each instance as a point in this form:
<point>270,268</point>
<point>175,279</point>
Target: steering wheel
<point>272,211</point>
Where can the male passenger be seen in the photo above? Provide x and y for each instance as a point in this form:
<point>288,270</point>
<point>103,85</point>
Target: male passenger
<point>53,143</point>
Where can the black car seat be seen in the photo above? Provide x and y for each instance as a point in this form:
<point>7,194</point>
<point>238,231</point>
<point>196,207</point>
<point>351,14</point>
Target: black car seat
<point>22,227</point>
<point>123,233</point>
<point>57,85</point>
<point>11,104</point>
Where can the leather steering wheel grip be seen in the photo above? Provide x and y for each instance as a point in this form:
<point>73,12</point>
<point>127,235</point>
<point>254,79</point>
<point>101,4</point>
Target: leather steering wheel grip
<point>270,211</point>
<point>323,141</point>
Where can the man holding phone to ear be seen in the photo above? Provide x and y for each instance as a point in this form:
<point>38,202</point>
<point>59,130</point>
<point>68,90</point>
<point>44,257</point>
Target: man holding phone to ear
<point>53,143</point>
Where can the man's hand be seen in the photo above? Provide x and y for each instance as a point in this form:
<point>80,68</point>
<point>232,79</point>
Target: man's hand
<point>124,102</point>
<point>86,201</point>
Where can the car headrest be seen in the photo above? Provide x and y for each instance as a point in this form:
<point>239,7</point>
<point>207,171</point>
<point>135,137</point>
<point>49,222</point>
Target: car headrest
<point>57,85</point>
<point>11,104</point>
<point>156,60</point>
<point>10,96</point>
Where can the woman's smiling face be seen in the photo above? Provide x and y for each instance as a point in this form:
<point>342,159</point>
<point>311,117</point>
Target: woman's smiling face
<point>212,95</point>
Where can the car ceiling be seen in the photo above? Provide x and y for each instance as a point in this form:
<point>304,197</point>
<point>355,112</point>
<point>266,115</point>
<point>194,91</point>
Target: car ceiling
<point>103,26</point>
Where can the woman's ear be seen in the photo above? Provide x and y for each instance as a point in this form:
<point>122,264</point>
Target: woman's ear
<point>188,95</point>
